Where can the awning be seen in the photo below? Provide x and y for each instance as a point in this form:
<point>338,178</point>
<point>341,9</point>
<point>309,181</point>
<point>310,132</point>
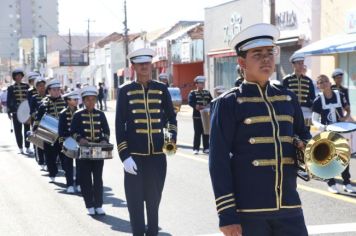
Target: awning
<point>222,53</point>
<point>331,45</point>
<point>287,41</point>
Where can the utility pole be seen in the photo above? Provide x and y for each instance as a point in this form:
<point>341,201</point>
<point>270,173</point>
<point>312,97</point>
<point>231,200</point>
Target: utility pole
<point>273,12</point>
<point>126,41</point>
<point>70,69</point>
<point>273,22</point>
<point>88,39</point>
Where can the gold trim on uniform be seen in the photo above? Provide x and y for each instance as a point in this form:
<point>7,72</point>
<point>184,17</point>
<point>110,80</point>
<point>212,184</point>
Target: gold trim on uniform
<point>155,91</point>
<point>302,95</point>
<point>140,121</point>
<point>154,101</point>
<point>272,162</point>
<point>90,115</point>
<point>143,111</point>
<point>121,146</point>
<point>146,131</point>
<point>226,207</point>
<point>94,122</point>
<point>267,119</point>
<point>295,90</point>
<point>155,120</point>
<point>225,196</point>
<point>264,140</point>
<point>92,130</point>
<point>133,92</point>
<point>279,98</point>
<point>222,200</point>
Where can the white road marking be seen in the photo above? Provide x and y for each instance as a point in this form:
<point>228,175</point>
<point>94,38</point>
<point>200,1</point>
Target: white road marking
<point>319,229</point>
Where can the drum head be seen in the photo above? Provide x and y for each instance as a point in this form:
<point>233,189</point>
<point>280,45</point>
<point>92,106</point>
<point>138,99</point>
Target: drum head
<point>23,112</point>
<point>70,144</point>
<point>342,127</point>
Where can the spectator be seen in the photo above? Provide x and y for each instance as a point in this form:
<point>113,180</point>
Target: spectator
<point>101,96</point>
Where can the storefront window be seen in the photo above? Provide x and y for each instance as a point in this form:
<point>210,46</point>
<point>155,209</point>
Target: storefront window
<point>225,71</point>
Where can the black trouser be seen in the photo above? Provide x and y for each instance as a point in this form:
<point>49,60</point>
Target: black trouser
<point>18,132</point>
<point>91,182</point>
<point>100,100</point>
<point>291,226</point>
<point>68,168</point>
<point>146,186</point>
<point>51,154</point>
<point>198,132</point>
<point>345,176</point>
<point>40,156</point>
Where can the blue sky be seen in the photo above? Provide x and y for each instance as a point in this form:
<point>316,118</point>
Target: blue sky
<point>107,15</point>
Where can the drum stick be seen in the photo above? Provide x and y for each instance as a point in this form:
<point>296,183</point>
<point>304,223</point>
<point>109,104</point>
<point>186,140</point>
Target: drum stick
<point>11,129</point>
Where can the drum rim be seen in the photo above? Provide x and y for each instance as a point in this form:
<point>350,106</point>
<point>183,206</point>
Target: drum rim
<point>345,131</point>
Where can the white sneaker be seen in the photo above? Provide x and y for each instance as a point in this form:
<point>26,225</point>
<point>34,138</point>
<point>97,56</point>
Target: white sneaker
<point>348,188</point>
<point>195,152</point>
<point>21,150</point>
<point>333,189</point>
<point>70,189</point>
<point>91,211</point>
<point>206,151</point>
<point>79,189</point>
<point>99,211</point>
<point>29,151</point>
<point>43,167</point>
<point>52,179</point>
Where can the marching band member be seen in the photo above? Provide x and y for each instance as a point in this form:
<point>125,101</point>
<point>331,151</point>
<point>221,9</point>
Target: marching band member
<point>252,156</point>
<point>163,77</point>
<point>328,108</point>
<point>198,99</point>
<point>142,108</point>
<point>302,86</point>
<point>16,94</point>
<point>52,104</point>
<point>337,75</point>
<point>90,125</point>
<point>65,119</point>
<point>31,81</point>
<point>35,101</point>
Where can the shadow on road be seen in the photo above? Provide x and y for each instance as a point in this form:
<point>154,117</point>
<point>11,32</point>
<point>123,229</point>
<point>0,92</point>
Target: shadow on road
<point>110,199</point>
<point>116,223</point>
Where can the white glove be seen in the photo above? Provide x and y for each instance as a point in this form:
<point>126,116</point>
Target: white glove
<point>130,166</point>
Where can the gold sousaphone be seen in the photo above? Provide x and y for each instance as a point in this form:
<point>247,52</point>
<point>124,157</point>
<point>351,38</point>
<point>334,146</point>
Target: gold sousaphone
<point>326,155</point>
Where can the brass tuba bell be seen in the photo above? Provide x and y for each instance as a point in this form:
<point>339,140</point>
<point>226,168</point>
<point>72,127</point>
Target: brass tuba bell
<point>326,155</point>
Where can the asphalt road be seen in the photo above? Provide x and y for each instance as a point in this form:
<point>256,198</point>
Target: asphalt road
<point>30,205</point>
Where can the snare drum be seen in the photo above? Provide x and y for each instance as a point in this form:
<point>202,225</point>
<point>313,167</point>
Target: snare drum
<point>176,98</point>
<point>205,119</point>
<point>347,130</point>
<point>35,140</point>
<point>307,113</point>
<point>23,112</point>
<point>70,148</point>
<point>48,129</point>
<point>95,151</point>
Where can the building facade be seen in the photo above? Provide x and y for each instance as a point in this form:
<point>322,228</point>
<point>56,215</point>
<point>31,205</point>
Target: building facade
<point>25,19</point>
<point>293,18</point>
